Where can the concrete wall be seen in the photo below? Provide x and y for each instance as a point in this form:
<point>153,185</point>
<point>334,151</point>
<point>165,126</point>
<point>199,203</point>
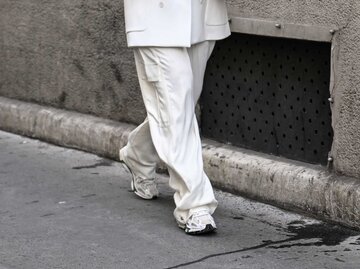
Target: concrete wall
<point>73,55</point>
<point>69,54</point>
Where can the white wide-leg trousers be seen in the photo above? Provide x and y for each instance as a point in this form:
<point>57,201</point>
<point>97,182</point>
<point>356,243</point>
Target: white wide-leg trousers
<point>171,81</point>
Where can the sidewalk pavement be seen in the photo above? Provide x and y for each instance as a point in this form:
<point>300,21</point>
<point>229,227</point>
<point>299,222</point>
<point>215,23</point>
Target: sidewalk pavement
<point>288,184</point>
<point>63,208</point>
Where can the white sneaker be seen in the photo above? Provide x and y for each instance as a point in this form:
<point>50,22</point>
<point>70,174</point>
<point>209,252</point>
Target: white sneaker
<point>200,222</point>
<point>145,188</point>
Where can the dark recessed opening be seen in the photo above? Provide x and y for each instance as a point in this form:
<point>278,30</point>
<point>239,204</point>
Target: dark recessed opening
<point>270,95</point>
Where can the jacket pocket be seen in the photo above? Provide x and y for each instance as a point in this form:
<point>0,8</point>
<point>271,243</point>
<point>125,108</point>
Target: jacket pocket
<point>134,15</point>
<point>216,12</point>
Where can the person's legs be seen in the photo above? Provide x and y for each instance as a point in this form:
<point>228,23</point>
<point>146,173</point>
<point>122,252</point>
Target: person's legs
<point>166,81</point>
<point>140,151</point>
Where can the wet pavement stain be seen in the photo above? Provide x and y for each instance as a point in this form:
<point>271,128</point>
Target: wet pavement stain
<point>75,207</point>
<point>32,202</point>
<point>327,234</point>
<point>103,162</point>
<point>88,195</point>
<point>47,215</point>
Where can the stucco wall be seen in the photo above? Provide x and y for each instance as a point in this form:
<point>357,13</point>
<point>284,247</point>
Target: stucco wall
<point>73,55</point>
<point>69,54</point>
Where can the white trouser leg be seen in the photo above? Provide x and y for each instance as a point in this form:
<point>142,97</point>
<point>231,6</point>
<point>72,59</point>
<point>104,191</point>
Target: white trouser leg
<point>140,152</point>
<point>170,90</point>
<point>199,55</point>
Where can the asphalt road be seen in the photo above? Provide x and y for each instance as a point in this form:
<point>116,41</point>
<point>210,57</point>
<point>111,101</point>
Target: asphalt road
<point>63,208</point>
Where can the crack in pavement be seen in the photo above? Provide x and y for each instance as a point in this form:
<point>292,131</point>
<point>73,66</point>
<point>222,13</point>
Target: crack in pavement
<point>327,235</point>
<point>268,243</point>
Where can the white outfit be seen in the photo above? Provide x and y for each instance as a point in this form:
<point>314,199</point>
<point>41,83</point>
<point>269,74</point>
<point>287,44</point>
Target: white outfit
<point>168,23</point>
<point>171,80</point>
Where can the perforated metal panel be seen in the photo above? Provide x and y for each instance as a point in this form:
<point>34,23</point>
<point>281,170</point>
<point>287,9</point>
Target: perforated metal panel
<point>270,95</point>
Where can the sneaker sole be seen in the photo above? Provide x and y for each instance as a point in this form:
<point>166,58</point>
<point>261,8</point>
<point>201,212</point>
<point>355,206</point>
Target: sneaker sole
<point>208,229</point>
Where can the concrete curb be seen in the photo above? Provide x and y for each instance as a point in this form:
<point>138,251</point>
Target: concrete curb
<point>282,182</point>
<point>65,128</point>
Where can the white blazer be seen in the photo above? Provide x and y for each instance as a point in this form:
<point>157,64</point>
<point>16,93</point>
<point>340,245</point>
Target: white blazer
<point>167,23</point>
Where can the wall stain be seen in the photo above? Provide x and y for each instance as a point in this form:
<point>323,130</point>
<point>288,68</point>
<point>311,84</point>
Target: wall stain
<point>272,177</point>
<point>117,72</point>
<point>62,98</point>
<point>79,66</point>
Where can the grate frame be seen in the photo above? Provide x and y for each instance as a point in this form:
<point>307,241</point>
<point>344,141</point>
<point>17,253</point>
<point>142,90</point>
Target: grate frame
<point>269,94</point>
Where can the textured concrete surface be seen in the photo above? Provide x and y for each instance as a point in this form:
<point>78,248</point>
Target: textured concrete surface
<point>62,208</point>
<point>288,184</point>
<point>69,54</point>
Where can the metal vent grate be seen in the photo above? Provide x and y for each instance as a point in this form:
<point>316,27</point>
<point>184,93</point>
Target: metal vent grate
<point>270,95</point>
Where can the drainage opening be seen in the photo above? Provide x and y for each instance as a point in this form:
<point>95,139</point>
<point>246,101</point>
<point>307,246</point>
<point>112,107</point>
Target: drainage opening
<point>270,95</point>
